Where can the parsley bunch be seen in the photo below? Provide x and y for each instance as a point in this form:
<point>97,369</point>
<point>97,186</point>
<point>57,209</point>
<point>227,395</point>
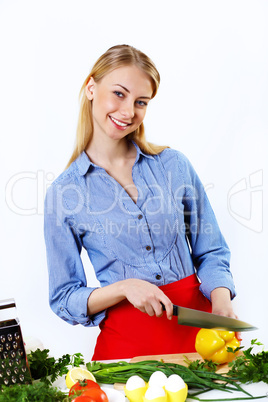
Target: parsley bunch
<point>48,369</point>
<point>205,365</point>
<point>250,367</point>
<point>32,392</point>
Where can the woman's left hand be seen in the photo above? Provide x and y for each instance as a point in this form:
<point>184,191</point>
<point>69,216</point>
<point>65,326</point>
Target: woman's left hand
<point>222,305</point>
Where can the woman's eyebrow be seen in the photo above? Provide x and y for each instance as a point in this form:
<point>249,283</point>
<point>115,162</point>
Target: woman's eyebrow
<point>143,97</point>
<point>119,85</point>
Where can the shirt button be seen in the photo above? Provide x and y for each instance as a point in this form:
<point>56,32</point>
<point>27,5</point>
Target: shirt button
<point>140,216</point>
<point>158,276</point>
<point>148,248</point>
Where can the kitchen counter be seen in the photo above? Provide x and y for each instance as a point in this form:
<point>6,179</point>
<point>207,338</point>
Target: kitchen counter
<point>256,389</point>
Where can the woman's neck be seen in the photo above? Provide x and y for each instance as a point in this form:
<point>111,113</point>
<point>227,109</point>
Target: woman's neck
<point>110,152</point>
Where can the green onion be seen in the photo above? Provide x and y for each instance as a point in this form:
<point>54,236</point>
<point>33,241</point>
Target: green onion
<point>228,399</point>
<point>110,373</point>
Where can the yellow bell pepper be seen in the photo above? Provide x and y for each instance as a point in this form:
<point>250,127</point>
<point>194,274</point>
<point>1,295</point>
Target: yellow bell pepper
<point>212,345</point>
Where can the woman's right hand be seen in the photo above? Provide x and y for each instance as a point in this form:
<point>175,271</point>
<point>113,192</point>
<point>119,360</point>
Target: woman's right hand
<point>142,294</point>
<point>146,297</point>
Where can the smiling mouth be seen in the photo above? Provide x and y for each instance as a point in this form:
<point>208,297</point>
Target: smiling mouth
<point>119,123</point>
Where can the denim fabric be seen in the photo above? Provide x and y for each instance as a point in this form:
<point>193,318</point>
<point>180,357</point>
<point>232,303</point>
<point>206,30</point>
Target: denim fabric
<point>170,233</point>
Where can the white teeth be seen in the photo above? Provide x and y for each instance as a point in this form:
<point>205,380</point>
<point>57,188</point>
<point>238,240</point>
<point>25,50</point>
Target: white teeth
<point>119,123</point>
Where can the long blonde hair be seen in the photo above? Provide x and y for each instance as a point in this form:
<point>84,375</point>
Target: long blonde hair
<point>115,57</point>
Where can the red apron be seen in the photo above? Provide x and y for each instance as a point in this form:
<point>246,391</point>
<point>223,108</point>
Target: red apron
<point>127,332</point>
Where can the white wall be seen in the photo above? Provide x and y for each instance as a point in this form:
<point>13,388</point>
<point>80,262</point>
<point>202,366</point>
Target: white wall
<point>212,105</point>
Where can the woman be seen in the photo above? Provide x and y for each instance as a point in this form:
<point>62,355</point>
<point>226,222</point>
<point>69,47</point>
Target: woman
<point>141,213</point>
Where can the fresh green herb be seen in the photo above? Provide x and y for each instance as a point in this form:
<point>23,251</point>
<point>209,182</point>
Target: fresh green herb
<point>229,399</point>
<point>109,373</point>
<point>30,393</point>
<point>234,350</point>
<point>48,369</point>
<point>250,367</point>
<point>206,365</point>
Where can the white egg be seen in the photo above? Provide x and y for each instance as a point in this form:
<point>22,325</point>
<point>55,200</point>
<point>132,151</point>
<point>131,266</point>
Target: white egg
<point>135,382</point>
<point>158,378</point>
<point>154,392</point>
<point>174,383</point>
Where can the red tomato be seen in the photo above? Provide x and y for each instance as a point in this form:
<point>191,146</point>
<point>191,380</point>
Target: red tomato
<point>98,395</point>
<point>82,398</point>
<point>79,387</point>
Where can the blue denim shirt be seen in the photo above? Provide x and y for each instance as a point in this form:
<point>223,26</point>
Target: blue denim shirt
<point>169,234</point>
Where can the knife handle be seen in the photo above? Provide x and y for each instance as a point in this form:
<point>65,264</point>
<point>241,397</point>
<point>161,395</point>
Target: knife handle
<point>175,309</point>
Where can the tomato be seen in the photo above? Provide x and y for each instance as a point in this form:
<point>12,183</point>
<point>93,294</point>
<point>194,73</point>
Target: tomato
<point>98,395</point>
<point>82,398</point>
<point>79,387</point>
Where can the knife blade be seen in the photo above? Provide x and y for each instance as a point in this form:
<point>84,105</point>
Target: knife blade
<point>201,319</point>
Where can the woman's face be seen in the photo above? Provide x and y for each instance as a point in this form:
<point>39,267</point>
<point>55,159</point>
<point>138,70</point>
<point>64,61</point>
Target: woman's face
<point>119,101</point>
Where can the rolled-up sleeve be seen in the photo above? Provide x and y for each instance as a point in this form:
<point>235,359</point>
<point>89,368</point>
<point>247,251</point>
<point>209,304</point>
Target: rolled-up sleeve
<point>68,291</point>
<point>210,252</point>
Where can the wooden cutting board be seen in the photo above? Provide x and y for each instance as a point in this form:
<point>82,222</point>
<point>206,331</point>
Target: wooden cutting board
<point>178,358</point>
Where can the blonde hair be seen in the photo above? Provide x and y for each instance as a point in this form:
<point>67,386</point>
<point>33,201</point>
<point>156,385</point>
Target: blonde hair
<point>115,57</point>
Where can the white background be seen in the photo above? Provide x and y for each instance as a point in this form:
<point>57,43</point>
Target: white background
<point>212,105</point>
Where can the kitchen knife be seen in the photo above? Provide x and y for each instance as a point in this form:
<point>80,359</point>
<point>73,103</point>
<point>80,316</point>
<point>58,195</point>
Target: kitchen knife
<point>201,319</point>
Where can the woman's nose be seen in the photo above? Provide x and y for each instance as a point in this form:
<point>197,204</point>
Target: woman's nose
<point>127,110</point>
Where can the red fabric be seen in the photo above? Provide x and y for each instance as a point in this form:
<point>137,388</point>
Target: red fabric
<point>126,332</point>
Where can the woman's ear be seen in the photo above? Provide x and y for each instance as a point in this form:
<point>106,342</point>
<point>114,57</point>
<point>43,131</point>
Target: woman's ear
<point>90,89</point>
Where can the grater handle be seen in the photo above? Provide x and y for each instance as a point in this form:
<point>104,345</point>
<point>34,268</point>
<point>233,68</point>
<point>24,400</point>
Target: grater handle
<point>8,303</point>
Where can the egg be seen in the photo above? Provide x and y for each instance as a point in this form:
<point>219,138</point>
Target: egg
<point>158,378</point>
<point>174,383</point>
<point>155,393</point>
<point>135,382</point>
<point>176,389</point>
<point>135,388</point>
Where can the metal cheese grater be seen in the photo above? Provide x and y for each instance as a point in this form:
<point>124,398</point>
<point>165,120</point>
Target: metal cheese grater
<point>14,368</point>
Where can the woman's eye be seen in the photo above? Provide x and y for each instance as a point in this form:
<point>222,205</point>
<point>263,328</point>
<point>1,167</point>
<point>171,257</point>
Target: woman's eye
<point>119,94</point>
<point>141,103</point>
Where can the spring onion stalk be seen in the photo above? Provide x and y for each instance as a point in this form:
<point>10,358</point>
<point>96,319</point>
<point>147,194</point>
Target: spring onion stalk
<point>227,399</point>
<point>109,373</point>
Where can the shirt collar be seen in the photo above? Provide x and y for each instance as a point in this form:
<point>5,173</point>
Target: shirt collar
<point>139,152</point>
<point>83,162</point>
